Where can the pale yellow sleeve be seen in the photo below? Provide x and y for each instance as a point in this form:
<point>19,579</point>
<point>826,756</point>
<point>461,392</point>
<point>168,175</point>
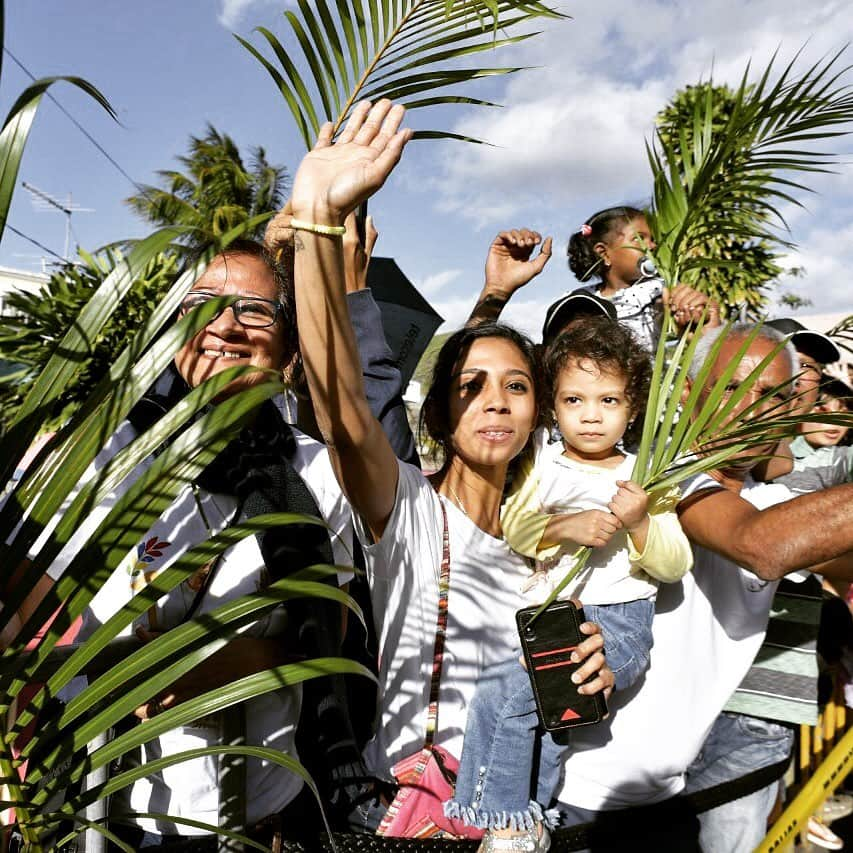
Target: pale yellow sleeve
<point>667,556</point>
<point>522,520</point>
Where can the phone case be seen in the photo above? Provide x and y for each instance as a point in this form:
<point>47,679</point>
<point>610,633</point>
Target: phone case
<point>547,645</point>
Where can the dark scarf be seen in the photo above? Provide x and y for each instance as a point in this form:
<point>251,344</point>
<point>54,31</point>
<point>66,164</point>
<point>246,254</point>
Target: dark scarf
<point>256,468</point>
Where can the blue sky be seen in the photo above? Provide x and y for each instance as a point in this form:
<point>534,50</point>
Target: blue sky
<point>569,140</point>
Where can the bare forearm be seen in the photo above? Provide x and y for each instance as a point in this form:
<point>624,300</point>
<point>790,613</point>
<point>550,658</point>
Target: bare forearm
<point>489,305</point>
<point>793,535</point>
<point>363,459</point>
<point>329,350</point>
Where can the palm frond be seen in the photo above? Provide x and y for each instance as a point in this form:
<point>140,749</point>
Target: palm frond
<point>400,49</point>
<point>692,426</point>
<point>842,333</point>
<point>731,177</point>
<point>16,130</point>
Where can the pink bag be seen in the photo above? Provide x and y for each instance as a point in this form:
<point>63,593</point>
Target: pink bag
<point>426,779</point>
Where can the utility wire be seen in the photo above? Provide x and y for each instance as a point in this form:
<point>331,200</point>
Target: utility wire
<point>36,243</point>
<point>76,123</point>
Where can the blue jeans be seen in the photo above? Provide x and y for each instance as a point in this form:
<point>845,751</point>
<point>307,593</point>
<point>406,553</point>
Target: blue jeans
<point>736,745</point>
<point>496,786</point>
<point>628,641</point>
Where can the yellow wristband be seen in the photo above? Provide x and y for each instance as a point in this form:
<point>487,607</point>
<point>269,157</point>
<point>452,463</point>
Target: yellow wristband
<point>331,230</point>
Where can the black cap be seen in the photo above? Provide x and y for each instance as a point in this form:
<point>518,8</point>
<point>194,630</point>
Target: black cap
<point>836,388</point>
<point>576,302</point>
<point>814,344</point>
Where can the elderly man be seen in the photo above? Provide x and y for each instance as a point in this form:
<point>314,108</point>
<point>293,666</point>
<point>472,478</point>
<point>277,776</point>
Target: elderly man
<point>780,689</point>
<point>709,626</point>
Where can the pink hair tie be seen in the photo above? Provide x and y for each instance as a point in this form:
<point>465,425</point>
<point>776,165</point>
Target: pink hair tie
<point>586,230</point>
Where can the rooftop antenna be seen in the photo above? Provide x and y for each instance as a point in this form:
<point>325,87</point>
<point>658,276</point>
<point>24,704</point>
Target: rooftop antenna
<point>45,201</point>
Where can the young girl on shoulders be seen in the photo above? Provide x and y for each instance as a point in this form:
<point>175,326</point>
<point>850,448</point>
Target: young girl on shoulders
<point>611,246</point>
<point>577,493</point>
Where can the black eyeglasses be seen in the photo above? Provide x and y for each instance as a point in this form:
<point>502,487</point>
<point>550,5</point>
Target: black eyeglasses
<point>252,312</point>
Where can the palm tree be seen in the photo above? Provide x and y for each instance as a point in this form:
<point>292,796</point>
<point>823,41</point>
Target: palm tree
<point>215,193</point>
<point>721,174</point>
<point>751,265</point>
<point>31,333</point>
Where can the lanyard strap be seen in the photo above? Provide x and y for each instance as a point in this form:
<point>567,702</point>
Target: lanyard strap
<point>440,633</point>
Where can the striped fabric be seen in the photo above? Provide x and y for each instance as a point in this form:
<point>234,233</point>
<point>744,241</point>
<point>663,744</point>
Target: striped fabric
<point>782,681</point>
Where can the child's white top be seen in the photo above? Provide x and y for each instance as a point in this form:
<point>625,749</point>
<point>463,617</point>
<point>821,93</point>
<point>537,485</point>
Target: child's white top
<point>615,572</point>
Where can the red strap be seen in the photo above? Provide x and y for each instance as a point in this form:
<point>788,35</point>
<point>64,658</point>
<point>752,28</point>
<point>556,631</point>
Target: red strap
<point>440,634</point>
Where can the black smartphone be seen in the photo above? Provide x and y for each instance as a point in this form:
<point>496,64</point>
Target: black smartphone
<point>548,642</point>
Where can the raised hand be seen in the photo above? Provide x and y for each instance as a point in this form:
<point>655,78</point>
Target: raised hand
<point>509,267</point>
<point>279,233</point>
<point>334,177</point>
<point>357,254</point>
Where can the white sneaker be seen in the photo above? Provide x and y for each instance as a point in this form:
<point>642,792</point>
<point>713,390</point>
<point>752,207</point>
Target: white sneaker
<point>536,840</point>
<point>821,835</point>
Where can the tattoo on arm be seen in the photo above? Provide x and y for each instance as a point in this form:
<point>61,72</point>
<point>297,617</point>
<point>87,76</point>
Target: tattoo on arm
<point>488,309</point>
<point>298,245</point>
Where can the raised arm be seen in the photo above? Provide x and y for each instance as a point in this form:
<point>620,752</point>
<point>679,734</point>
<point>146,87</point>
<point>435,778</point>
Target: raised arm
<point>382,380</point>
<point>509,266</point>
<point>793,535</point>
<point>331,181</point>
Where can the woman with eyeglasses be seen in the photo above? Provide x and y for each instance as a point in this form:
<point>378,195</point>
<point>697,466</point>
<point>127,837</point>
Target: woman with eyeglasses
<point>269,467</point>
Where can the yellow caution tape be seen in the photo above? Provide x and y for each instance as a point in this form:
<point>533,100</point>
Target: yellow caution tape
<point>828,776</point>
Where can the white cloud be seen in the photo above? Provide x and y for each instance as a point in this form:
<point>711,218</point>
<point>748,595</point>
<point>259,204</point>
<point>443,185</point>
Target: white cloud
<point>826,254</point>
<point>432,284</point>
<point>571,135</point>
<point>232,12</point>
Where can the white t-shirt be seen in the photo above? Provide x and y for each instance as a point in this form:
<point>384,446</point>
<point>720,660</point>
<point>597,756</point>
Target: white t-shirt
<point>311,462</point>
<point>486,588</point>
<point>189,789</point>
<point>567,486</point>
<point>707,630</point>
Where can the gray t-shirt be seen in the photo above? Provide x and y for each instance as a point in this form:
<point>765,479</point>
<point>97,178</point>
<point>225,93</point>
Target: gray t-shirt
<point>817,468</point>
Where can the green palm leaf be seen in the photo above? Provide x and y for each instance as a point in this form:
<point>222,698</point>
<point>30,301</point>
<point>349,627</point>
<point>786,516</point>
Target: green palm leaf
<point>689,426</point>
<point>726,178</point>
<point>400,49</point>
<point>843,333</point>
<point>16,129</point>
<point>53,480</point>
<point>74,348</point>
